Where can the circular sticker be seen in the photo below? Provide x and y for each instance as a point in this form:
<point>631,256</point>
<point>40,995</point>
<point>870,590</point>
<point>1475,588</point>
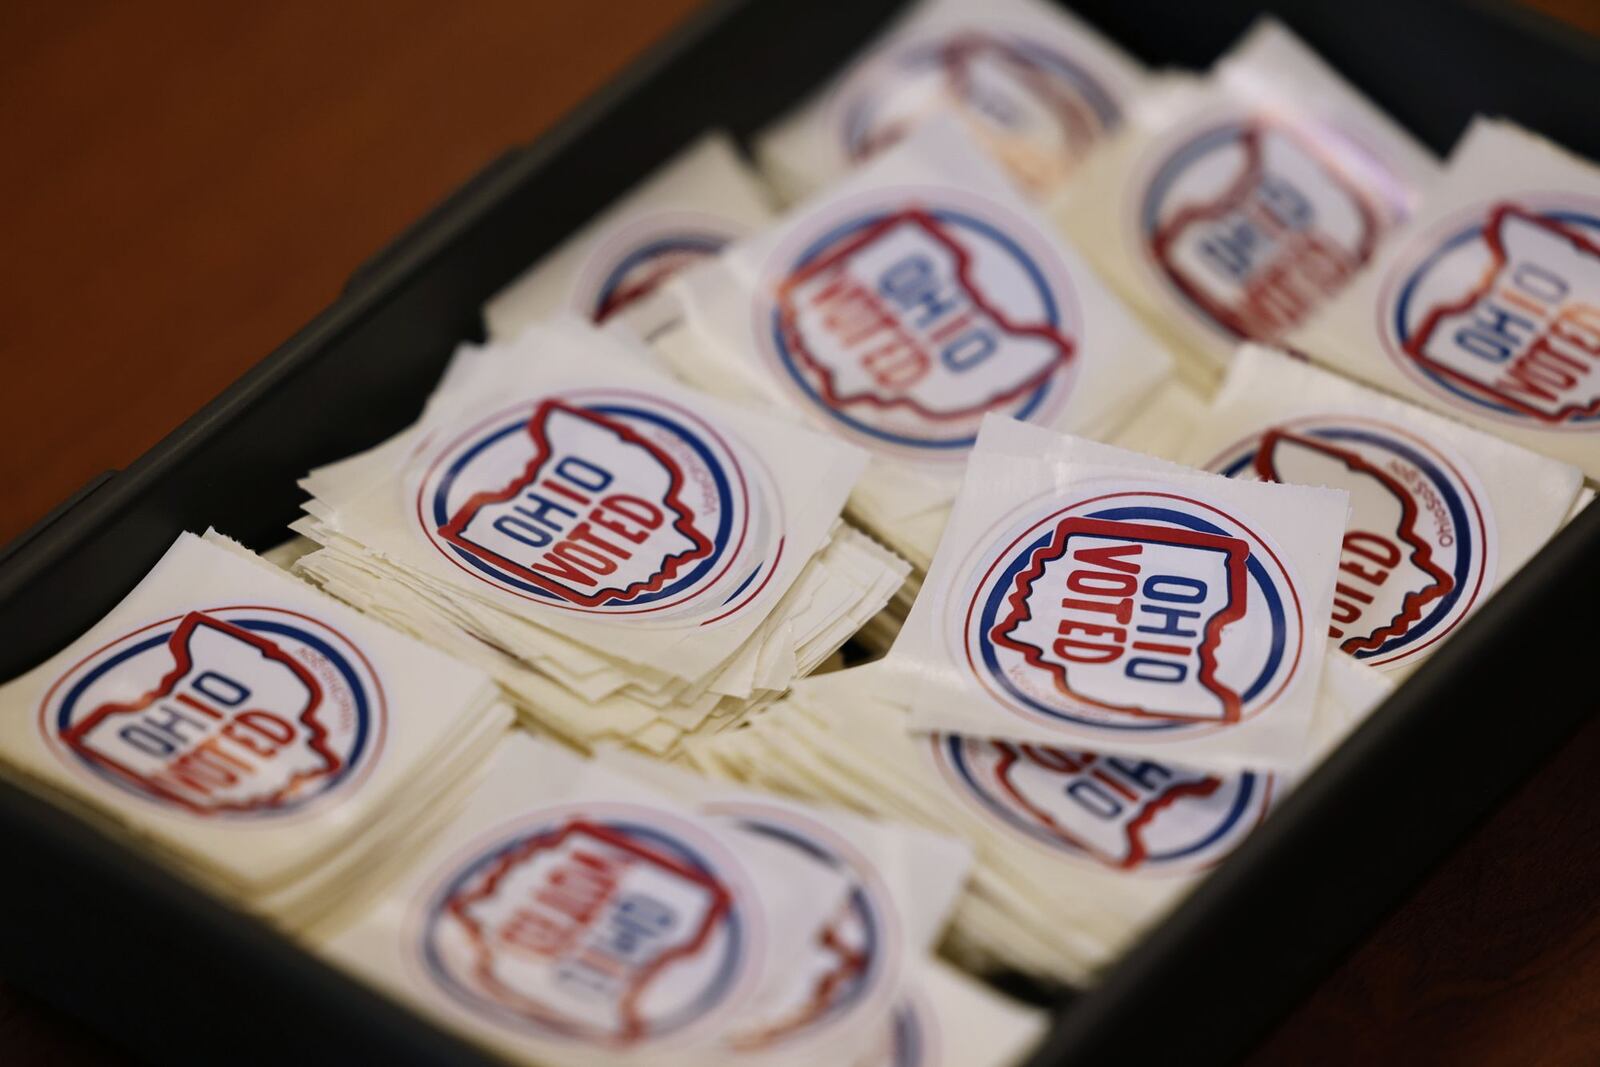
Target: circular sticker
<point>1130,612</point>
<point>605,502</point>
<point>1420,547</point>
<point>236,712</point>
<point>852,961</point>
<point>1123,814</point>
<point>629,265</point>
<point>903,324</point>
<point>615,927</point>
<point>1034,108</point>
<point>1252,223</point>
<point>1497,310</point>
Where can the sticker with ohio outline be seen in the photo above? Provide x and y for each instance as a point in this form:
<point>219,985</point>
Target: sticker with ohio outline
<point>1253,255</point>
<point>1132,612</point>
<point>1503,313</point>
<point>610,931</point>
<point>1036,109</point>
<point>1419,549</point>
<point>605,502</point>
<point>903,326</point>
<point>241,712</point>
<point>1129,815</point>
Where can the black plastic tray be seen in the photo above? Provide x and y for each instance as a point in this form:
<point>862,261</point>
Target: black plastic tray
<point>113,938</point>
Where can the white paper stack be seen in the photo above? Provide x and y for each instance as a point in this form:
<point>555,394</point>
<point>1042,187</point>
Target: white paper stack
<point>631,560</point>
<point>1230,208</point>
<point>268,741</point>
<point>1037,88</point>
<point>894,312</point>
<point>576,915</point>
<point>612,269</point>
<point>1441,515</point>
<point>1488,306</point>
<point>1165,422</point>
<point>1076,852</point>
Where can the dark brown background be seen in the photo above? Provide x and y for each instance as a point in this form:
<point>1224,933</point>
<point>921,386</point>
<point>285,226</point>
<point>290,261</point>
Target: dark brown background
<point>184,183</point>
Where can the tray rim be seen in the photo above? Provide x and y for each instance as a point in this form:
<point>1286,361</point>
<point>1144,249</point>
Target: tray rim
<point>1100,1022</point>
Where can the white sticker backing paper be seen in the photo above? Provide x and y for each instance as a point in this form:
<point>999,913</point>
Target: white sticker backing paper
<point>1488,306</point>
<point>1124,605</point>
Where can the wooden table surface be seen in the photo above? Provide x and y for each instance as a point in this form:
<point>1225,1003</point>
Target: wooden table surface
<point>185,183</point>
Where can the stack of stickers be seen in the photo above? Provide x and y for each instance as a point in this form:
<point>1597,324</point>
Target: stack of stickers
<point>633,561</point>
<point>1114,667</point>
<point>1075,851</point>
<point>271,743</point>
<point>1037,89</point>
<point>919,294</point>
<point>1230,209</point>
<point>574,914</point>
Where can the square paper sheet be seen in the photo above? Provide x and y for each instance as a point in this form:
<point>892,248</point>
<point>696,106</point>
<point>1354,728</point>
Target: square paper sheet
<point>1125,607</point>
<point>1488,306</point>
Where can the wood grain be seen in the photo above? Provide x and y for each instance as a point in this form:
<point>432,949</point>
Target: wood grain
<point>1495,960</point>
<point>1583,14</point>
<point>186,183</point>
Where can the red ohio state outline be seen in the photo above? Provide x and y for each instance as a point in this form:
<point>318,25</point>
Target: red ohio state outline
<point>1236,554</point>
<point>851,964</point>
<point>1412,603</point>
<point>1238,193</point>
<point>1065,347</point>
<point>684,524</point>
<point>1416,345</point>
<point>1011,755</point>
<point>178,645</point>
<point>633,1026</point>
